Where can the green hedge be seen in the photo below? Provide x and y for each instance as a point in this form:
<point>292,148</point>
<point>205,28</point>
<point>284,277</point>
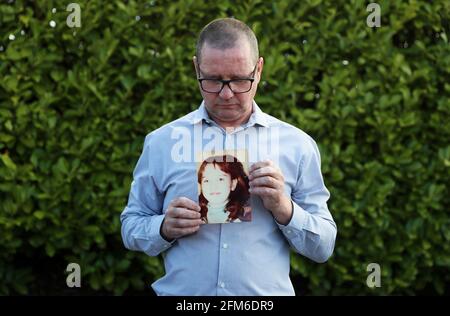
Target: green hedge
<point>74,110</point>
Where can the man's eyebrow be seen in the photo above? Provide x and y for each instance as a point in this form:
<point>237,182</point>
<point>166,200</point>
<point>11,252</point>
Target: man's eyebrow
<point>206,75</point>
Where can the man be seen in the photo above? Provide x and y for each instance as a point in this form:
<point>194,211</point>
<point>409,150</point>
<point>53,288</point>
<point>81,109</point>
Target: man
<point>288,195</point>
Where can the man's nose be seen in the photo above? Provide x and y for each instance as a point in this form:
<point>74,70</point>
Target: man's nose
<point>226,92</point>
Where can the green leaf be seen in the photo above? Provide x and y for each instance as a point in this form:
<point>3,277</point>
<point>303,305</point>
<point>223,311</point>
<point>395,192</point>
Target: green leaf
<point>50,250</point>
<point>39,214</point>
<point>8,162</point>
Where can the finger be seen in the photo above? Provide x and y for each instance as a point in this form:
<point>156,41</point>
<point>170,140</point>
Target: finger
<point>266,171</point>
<point>181,212</point>
<point>263,171</point>
<point>186,203</point>
<point>260,164</point>
<point>266,181</point>
<point>263,191</point>
<point>186,223</point>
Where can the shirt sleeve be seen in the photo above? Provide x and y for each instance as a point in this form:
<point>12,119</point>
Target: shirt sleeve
<point>142,217</point>
<point>311,231</point>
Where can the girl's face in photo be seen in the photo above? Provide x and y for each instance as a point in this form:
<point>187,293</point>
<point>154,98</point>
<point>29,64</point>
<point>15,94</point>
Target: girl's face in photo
<point>216,184</point>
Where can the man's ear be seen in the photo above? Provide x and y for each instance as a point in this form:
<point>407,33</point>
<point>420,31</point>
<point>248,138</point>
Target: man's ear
<point>260,67</point>
<point>233,184</point>
<point>194,60</point>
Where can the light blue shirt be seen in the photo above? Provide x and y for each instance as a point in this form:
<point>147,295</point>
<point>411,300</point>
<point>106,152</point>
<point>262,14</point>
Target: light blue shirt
<point>247,258</point>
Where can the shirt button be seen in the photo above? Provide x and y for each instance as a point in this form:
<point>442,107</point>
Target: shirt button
<point>222,285</point>
<point>289,231</point>
<point>225,246</point>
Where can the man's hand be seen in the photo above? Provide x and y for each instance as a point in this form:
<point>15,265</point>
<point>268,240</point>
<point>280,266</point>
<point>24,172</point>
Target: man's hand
<point>267,181</point>
<point>182,218</point>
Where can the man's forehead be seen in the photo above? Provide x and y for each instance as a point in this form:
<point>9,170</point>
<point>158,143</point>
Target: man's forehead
<point>226,69</point>
<point>233,61</point>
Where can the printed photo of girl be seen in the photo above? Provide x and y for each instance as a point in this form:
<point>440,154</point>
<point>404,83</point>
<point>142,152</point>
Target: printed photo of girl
<point>223,190</point>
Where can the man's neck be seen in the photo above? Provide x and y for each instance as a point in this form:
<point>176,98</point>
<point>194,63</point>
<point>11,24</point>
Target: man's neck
<point>230,126</point>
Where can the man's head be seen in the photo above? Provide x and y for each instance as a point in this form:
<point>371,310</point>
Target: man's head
<point>227,49</point>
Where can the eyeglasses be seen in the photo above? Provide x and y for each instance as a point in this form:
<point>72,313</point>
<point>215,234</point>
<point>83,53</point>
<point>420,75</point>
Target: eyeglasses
<point>236,85</point>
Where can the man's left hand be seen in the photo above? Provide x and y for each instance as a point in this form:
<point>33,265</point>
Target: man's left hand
<point>267,181</point>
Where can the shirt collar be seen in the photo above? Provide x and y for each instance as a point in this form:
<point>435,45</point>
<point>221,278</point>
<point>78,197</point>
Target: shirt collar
<point>257,117</point>
<point>201,114</point>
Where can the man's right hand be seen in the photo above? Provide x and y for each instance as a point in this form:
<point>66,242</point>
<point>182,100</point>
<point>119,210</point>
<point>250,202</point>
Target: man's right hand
<point>182,218</point>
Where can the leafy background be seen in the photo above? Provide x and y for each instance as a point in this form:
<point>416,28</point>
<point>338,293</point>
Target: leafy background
<point>75,107</point>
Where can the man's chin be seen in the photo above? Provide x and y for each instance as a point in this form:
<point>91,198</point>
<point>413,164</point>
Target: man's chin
<point>231,105</point>
<point>228,113</point>
<point>229,110</point>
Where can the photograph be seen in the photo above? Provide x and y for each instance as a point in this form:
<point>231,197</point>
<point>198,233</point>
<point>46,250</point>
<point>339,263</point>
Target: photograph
<point>223,193</point>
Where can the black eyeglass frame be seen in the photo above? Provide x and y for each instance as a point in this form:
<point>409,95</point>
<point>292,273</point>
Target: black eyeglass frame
<point>227,82</point>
